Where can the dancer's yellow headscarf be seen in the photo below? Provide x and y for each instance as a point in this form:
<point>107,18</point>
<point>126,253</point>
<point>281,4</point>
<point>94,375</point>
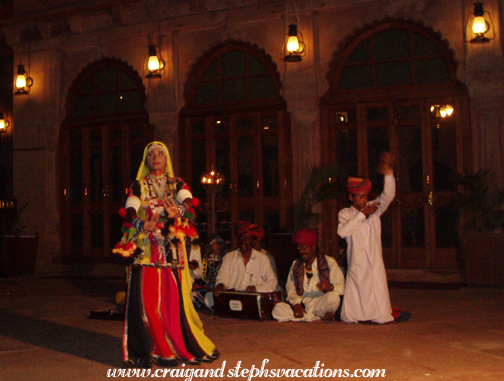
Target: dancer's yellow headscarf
<point>144,169</point>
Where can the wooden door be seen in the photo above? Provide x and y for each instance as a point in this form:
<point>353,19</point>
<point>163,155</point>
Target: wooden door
<point>252,151</point>
<point>99,163</point>
<point>420,229</point>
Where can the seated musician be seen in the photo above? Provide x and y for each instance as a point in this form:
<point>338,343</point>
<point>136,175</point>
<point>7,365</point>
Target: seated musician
<point>314,284</point>
<point>211,263</point>
<point>245,269</point>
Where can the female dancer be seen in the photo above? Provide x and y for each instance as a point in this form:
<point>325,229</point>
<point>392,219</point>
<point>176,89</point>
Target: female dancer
<point>161,326</point>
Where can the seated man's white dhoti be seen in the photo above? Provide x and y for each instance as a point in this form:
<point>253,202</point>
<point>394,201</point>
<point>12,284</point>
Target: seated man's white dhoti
<point>316,308</point>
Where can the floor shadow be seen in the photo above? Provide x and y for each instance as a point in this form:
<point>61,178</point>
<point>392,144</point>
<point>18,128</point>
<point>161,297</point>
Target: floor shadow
<point>94,346</point>
<point>425,285</point>
<point>105,288</point>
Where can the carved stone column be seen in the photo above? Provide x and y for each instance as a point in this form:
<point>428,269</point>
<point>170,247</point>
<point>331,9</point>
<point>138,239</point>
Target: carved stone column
<point>485,81</point>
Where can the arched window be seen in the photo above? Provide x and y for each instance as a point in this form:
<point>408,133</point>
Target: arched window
<point>387,85</point>
<point>235,73</point>
<point>102,141</point>
<point>235,119</point>
<point>108,87</point>
<point>394,57</point>
<point>6,95</point>
<point>233,76</point>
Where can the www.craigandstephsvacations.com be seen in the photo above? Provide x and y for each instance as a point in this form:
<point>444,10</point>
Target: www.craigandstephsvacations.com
<point>188,374</point>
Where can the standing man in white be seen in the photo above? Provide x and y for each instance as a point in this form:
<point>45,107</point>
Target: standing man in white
<point>366,292</point>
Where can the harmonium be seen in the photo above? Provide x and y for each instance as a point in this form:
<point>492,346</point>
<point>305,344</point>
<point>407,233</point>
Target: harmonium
<point>246,305</point>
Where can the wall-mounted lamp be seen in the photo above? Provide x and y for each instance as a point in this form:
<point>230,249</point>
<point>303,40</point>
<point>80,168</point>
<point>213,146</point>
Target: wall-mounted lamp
<point>479,23</point>
<point>3,123</point>
<point>294,46</point>
<point>22,81</point>
<point>441,111</point>
<point>342,117</point>
<point>154,64</point>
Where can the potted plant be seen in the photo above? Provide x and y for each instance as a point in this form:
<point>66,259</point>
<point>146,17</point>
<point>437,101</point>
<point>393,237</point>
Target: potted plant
<point>324,182</point>
<point>19,250</point>
<point>481,204</point>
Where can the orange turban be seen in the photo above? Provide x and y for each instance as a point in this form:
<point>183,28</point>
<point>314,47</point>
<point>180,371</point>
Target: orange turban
<point>358,185</point>
<point>246,227</point>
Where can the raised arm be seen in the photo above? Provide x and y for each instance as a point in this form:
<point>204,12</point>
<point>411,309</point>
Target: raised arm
<point>387,196</point>
<point>386,167</point>
<point>348,222</point>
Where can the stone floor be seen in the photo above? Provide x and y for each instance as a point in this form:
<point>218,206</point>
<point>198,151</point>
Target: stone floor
<point>454,334</point>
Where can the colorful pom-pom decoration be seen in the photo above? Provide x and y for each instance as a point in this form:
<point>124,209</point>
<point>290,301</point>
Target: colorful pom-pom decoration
<point>122,212</point>
<point>126,250</point>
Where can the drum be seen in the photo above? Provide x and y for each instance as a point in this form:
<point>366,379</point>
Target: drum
<point>246,305</point>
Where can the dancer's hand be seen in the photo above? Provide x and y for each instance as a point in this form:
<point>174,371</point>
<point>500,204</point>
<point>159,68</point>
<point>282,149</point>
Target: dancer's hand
<point>150,223</point>
<point>386,163</point>
<point>170,207</point>
<point>370,208</point>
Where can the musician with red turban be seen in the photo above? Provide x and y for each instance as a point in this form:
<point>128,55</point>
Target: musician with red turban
<point>367,297</point>
<point>314,284</point>
<point>246,269</point>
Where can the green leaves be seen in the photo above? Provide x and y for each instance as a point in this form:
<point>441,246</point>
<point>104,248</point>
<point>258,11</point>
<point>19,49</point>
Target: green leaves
<point>324,182</point>
<point>480,200</point>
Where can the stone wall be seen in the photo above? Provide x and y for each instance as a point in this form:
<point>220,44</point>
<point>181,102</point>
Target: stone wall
<point>57,39</point>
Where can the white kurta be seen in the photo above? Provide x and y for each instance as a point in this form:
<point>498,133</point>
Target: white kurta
<point>272,261</point>
<point>366,294</point>
<point>315,301</point>
<point>258,272</point>
<point>233,274</point>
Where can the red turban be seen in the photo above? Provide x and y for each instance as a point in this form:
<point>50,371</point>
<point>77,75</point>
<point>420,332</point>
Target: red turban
<point>358,185</point>
<point>254,230</point>
<point>306,237</point>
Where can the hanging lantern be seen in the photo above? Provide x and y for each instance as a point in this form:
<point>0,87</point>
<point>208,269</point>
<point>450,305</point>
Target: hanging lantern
<point>22,82</point>
<point>479,23</point>
<point>154,64</point>
<point>441,111</point>
<point>3,123</point>
<point>294,47</point>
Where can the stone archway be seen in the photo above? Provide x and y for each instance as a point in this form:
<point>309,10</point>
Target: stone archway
<point>235,119</point>
<point>102,140</point>
<point>385,82</point>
